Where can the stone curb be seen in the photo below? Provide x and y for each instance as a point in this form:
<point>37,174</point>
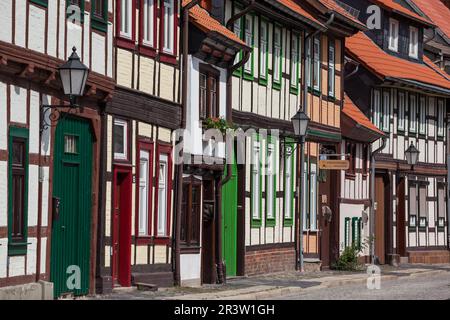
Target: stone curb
<point>271,292</point>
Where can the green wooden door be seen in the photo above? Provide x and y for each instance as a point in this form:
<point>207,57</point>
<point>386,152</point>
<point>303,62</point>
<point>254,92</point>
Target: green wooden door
<point>229,222</point>
<point>72,179</point>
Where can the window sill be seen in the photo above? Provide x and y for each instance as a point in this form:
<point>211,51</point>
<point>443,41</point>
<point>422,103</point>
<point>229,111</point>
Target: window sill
<point>168,58</point>
<point>248,76</point>
<point>99,24</point>
<point>351,176</point>
<point>189,249</point>
<point>255,224</point>
<point>294,90</point>
<point>276,85</point>
<point>271,222</point>
<point>262,81</point>
<point>125,43</point>
<point>147,51</point>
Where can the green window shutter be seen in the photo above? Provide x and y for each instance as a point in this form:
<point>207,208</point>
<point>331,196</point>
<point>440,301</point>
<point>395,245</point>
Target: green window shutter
<point>15,246</point>
<point>99,23</point>
<point>359,233</point>
<point>354,231</point>
<point>43,3</point>
<point>347,232</point>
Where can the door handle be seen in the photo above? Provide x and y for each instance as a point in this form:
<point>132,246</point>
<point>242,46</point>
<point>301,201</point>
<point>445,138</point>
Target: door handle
<point>63,227</point>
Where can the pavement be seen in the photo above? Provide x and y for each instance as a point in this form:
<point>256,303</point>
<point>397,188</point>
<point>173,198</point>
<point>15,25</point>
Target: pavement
<point>289,285</point>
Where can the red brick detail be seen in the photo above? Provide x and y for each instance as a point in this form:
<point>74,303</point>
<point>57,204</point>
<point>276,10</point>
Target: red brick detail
<point>269,261</point>
<point>429,257</point>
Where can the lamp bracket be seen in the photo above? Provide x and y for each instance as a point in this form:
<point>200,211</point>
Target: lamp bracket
<point>50,114</point>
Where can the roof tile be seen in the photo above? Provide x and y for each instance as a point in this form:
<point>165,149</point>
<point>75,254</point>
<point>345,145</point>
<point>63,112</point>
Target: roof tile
<point>394,6</point>
<point>352,111</point>
<point>332,5</point>
<point>437,12</point>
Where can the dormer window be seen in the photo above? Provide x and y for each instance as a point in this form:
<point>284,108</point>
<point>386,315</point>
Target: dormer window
<point>413,42</point>
<point>393,35</point>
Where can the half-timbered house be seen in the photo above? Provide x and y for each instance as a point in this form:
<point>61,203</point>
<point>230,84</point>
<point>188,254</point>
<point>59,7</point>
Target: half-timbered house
<point>136,244</point>
<point>405,95</point>
<point>267,91</point>
<point>48,197</point>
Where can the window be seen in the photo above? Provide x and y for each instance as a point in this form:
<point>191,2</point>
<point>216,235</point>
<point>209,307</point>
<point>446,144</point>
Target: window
<point>190,214</point>
<point>413,113</point>
<point>413,42</point>
<point>263,51</point>
<point>356,232</point>
<point>270,182</point>
<point>441,117</point>
<point>248,67</point>
<point>148,23</point>
<point>351,152</point>
<point>412,196</point>
<point>289,184</point>
<point>393,35</point>
<point>313,197</point>
<point>442,205</point>
<point>423,206</point>
<point>295,58</point>
<point>316,73</point>
<point>277,59</point>
<point>331,70</point>
<point>209,88</point>
<point>422,116</point>
<point>308,62</point>
<point>18,191</point>
<point>305,207</point>
<point>145,185</point>
<point>70,144</point>
<point>99,9</point>
<point>347,231</point>
<point>168,26</point>
<point>120,136</point>
<point>126,18</point>
<point>386,110</point>
<point>376,116</point>
<point>163,191</point>
<point>237,28</point>
<point>401,111</point>
<point>365,160</point>
<point>256,183</point>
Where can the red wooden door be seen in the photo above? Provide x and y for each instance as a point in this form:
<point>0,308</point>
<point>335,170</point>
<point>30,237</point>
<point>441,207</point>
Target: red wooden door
<point>121,235</point>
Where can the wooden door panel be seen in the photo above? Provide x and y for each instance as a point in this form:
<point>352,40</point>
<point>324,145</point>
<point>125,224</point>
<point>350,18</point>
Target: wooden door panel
<point>380,219</point>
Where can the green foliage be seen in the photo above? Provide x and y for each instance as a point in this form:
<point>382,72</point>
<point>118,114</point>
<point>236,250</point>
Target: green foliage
<point>348,260</point>
<point>218,123</point>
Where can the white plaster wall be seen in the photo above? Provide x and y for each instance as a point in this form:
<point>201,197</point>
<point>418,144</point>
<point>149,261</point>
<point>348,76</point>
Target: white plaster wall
<point>16,266</point>
<point>43,254</point>
<point>6,21</point>
<point>34,122</point>
<point>190,266</point>
<point>3,194</point>
<point>36,28</point>
<point>46,134</point>
<point>86,38</point>
<point>33,179</point>
<point>45,194</point>
<point>20,22</point>
<point>109,67</point>
<point>3,257</point>
<point>98,53</point>
<point>31,255</point>
<point>18,104</point>
<point>74,38</point>
<point>52,28</point>
<point>3,116</point>
<point>351,211</point>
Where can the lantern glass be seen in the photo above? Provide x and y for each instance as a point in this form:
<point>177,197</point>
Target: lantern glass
<point>300,123</point>
<point>73,75</point>
<point>412,155</point>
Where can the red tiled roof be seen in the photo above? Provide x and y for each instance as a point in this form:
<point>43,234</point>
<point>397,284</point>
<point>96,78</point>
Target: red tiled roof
<point>291,4</point>
<point>353,112</point>
<point>395,7</point>
<point>333,6</point>
<point>201,18</point>
<point>385,65</point>
<point>437,12</point>
<point>435,67</point>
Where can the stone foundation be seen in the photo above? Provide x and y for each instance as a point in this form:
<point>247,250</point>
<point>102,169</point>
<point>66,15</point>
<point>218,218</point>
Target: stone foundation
<point>429,256</point>
<point>41,290</point>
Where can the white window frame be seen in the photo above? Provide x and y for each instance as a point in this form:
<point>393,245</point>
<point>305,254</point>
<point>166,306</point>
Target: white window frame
<point>149,23</point>
<point>126,18</point>
<point>163,190</point>
<point>271,164</point>
<point>313,197</point>
<point>264,47</point>
<point>237,29</point>
<point>441,118</point>
<point>422,115</point>
<point>376,116</point>
<point>289,180</point>
<point>308,66</point>
<point>144,184</point>
<point>317,70</point>
<point>412,113</point>
<point>277,52</point>
<point>413,42</point>
<point>393,34</point>
<point>331,70</point>
<point>401,110</point>
<point>305,195</point>
<point>169,26</point>
<point>295,49</point>
<point>386,110</point>
<point>248,38</point>
<point>256,180</point>
<point>124,125</point>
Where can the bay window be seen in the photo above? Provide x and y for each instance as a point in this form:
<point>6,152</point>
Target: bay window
<point>168,26</point>
<point>256,181</point>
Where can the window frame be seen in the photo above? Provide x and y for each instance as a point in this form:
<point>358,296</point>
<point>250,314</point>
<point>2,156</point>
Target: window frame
<point>211,73</point>
<point>332,69</point>
<point>412,113</point>
<point>376,109</point>
<point>393,46</point>
<point>126,140</point>
<point>189,222</point>
<point>295,62</point>
<point>351,150</point>
<point>263,55</point>
<point>18,247</point>
<point>440,118</point>
<point>97,23</point>
<point>317,59</point>
<point>422,115</point>
<point>147,48</point>
<point>249,73</point>
<point>256,222</point>
<point>163,149</point>
<point>238,23</point>
<point>165,56</point>
<point>276,83</point>
<point>401,110</point>
<point>289,220</point>
<point>386,111</point>
<point>271,221</point>
<point>145,146</point>
<point>413,45</point>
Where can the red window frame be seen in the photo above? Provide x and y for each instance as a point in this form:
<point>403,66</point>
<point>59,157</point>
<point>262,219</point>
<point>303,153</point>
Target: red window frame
<point>164,56</point>
<point>145,49</point>
<point>163,149</point>
<point>122,41</point>
<point>146,146</point>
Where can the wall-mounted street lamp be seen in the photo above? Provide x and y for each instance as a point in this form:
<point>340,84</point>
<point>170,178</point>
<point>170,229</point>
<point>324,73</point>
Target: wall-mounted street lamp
<point>412,155</point>
<point>300,122</point>
<point>73,74</point>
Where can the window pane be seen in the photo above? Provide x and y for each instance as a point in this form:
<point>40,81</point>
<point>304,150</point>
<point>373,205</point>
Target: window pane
<point>270,180</point>
<point>143,192</point>
<point>18,153</point>
<point>203,96</point>
<point>277,49</point>
<point>249,39</point>
<point>401,111</point>
<point>255,180</point>
<point>195,224</point>
<point>18,189</point>
<point>168,25</point>
<point>70,144</point>
<point>120,137</point>
<point>313,198</point>
<point>162,196</point>
<point>263,44</point>
<point>288,183</point>
<point>413,199</point>
<point>148,22</point>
